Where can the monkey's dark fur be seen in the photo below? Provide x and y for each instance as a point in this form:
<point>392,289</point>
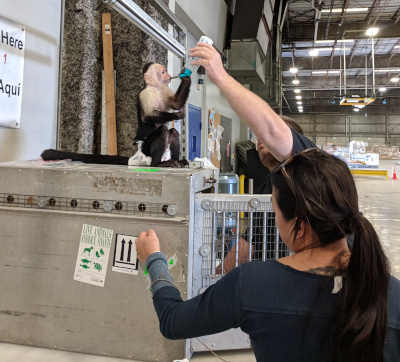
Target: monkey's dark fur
<point>154,105</point>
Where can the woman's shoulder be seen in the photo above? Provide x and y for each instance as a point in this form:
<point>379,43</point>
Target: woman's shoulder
<point>394,303</point>
<point>394,289</point>
<point>274,270</point>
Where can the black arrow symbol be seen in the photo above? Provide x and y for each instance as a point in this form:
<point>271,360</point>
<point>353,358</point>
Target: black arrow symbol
<point>129,250</point>
<point>122,249</point>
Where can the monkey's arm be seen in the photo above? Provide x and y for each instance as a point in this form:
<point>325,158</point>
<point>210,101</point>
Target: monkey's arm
<point>158,117</point>
<point>153,109</point>
<point>178,100</point>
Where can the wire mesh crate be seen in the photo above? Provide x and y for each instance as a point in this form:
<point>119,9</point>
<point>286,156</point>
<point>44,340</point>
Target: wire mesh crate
<point>228,231</point>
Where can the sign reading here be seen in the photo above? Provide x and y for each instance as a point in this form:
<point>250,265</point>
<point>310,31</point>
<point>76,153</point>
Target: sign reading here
<point>12,48</point>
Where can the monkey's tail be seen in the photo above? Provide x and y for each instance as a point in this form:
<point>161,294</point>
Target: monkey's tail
<point>51,154</point>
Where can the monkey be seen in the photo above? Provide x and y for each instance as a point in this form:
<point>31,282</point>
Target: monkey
<point>155,105</point>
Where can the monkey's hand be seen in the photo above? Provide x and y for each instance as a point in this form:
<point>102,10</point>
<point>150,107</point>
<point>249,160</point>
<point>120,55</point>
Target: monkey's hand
<point>170,163</point>
<point>181,114</point>
<point>185,74</point>
<point>158,117</point>
<point>184,162</point>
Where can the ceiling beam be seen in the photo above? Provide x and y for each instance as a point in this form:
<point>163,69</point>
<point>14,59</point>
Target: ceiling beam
<point>394,50</point>
<point>372,11</point>
<point>379,42</point>
<point>305,32</point>
<point>315,63</point>
<point>396,16</point>
<point>304,13</point>
<point>354,49</point>
<point>329,18</point>
<point>342,16</point>
<point>334,83</point>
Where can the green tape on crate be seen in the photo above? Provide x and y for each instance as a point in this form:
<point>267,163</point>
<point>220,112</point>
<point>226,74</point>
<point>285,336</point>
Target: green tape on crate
<point>146,169</point>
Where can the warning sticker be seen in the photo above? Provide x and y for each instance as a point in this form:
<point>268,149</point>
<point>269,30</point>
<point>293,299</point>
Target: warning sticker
<point>125,256</point>
<point>93,255</point>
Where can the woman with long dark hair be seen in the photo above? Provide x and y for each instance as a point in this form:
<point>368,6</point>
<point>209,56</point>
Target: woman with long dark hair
<point>323,303</point>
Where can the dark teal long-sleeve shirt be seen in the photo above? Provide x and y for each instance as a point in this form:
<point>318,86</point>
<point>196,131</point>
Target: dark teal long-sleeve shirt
<point>287,313</point>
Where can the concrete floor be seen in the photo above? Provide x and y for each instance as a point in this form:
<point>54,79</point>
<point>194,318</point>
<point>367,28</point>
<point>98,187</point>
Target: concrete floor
<point>380,203</point>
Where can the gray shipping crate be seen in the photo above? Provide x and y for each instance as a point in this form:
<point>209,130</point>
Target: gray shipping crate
<point>43,207</point>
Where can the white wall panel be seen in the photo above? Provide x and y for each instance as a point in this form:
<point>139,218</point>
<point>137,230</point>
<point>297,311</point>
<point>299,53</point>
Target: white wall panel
<point>42,21</point>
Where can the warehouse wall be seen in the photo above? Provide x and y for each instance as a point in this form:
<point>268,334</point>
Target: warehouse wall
<point>380,126</point>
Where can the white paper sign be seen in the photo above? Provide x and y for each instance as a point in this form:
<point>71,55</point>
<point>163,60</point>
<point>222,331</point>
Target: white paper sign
<point>125,255</point>
<point>12,48</point>
<point>93,254</point>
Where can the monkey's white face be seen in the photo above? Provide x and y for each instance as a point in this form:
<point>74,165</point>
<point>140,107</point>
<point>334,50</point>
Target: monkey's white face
<point>156,75</point>
<point>164,76</point>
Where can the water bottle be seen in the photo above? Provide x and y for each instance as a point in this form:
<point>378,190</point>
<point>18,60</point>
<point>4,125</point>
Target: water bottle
<point>189,68</point>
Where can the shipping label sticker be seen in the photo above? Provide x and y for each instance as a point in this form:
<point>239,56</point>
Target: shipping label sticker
<point>93,255</point>
<point>125,255</point>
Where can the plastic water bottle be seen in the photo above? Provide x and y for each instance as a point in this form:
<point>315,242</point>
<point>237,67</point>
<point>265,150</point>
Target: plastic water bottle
<point>189,68</point>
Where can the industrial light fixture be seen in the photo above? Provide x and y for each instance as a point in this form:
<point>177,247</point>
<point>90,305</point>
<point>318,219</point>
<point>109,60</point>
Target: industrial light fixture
<point>372,31</point>
<point>313,52</point>
<point>300,110</point>
<point>356,109</point>
<point>299,102</point>
<point>397,46</point>
<point>383,89</point>
<point>298,97</point>
<point>318,72</point>
<point>295,81</point>
<point>297,90</point>
<point>394,79</point>
<point>333,71</point>
<point>293,70</point>
<point>349,10</point>
<point>337,41</point>
<point>387,70</point>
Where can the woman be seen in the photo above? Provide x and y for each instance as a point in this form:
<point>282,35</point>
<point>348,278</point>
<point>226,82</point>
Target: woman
<point>321,303</point>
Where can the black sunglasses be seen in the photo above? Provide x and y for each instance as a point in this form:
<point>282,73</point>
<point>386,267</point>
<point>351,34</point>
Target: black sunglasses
<point>281,167</point>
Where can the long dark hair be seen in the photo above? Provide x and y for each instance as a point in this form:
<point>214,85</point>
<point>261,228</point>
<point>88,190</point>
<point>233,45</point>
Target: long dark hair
<point>318,188</point>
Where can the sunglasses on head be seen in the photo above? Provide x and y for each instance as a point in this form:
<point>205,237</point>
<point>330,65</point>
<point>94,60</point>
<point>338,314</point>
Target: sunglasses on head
<point>281,167</point>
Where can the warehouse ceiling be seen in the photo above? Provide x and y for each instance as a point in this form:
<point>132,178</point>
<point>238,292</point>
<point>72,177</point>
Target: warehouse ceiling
<point>334,28</point>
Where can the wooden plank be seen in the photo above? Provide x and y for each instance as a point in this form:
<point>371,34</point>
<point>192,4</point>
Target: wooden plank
<point>109,84</point>
<point>369,172</point>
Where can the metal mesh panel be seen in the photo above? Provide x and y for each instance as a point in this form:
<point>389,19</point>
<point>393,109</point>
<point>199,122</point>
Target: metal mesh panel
<point>234,232</point>
<point>87,205</point>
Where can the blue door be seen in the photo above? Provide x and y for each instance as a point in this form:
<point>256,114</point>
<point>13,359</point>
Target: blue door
<point>194,134</point>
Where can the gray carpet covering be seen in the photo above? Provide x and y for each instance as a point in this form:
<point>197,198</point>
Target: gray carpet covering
<point>80,121</point>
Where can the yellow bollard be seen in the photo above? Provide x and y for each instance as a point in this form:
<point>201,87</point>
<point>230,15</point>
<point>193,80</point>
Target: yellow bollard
<point>241,214</point>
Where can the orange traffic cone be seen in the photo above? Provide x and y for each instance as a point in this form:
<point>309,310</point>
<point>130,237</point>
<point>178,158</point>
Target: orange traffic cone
<point>394,176</point>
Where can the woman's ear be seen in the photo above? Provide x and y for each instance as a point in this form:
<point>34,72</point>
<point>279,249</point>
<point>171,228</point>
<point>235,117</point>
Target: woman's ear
<point>302,231</point>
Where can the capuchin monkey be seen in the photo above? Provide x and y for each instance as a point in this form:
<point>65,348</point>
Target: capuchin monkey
<point>156,106</point>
